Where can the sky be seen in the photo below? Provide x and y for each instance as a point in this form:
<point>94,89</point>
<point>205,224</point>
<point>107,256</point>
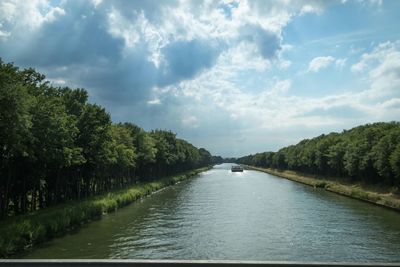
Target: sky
<point>235,77</point>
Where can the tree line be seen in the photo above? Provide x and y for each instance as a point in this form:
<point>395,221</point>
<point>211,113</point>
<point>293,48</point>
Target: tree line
<point>368,153</point>
<point>56,146</point>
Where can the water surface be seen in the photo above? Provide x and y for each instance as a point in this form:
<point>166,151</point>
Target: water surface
<point>238,216</point>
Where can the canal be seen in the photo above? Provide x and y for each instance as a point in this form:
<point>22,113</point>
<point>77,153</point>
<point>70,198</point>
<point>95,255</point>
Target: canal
<point>237,216</point>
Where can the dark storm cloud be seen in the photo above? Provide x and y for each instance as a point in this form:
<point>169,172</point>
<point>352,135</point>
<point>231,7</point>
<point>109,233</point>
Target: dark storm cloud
<point>132,78</point>
<point>185,59</point>
<point>78,37</point>
<point>267,42</point>
<point>126,81</point>
<point>80,44</point>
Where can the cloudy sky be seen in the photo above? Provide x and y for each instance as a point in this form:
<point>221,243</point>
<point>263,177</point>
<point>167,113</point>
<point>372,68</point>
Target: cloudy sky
<point>235,77</point>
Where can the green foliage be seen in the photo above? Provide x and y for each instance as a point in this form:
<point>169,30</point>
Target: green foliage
<point>57,147</point>
<point>370,153</point>
<point>395,162</point>
<point>15,119</point>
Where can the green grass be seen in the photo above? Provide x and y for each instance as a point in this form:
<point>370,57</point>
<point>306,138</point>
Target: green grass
<point>380,196</point>
<point>22,232</point>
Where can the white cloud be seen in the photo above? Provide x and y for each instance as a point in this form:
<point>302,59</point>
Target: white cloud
<point>190,20</point>
<point>391,103</point>
<point>120,27</point>
<point>341,62</point>
<point>4,34</point>
<point>371,2</point>
<point>281,86</point>
<point>285,64</point>
<point>96,2</point>
<point>57,82</point>
<point>383,66</point>
<point>319,63</point>
<point>190,121</point>
<point>53,14</point>
<point>358,67</point>
<point>27,15</point>
<point>244,56</point>
<point>257,112</point>
<point>310,9</point>
<point>154,101</point>
<point>249,39</point>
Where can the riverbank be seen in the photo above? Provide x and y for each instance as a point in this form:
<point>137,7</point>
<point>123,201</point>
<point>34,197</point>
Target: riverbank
<point>23,232</point>
<point>381,196</point>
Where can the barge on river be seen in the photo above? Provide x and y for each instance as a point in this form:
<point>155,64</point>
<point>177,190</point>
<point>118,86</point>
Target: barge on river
<point>236,168</point>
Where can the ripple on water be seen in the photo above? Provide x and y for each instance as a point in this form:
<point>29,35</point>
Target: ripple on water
<point>239,216</point>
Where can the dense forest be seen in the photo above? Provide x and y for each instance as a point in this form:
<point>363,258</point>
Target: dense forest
<point>368,153</point>
<point>56,146</point>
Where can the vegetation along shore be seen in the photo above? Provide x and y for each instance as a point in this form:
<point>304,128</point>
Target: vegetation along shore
<point>363,162</point>
<point>62,156</point>
<point>22,232</point>
<point>379,195</point>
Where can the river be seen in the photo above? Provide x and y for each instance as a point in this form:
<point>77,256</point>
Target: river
<point>237,216</point>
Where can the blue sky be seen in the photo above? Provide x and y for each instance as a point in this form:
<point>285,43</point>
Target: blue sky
<point>235,77</point>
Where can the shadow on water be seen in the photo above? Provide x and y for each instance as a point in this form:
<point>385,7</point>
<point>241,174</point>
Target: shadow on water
<point>238,216</point>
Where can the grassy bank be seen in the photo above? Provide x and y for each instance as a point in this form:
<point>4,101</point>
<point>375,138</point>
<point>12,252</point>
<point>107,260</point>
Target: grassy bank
<point>22,232</point>
<point>382,196</point>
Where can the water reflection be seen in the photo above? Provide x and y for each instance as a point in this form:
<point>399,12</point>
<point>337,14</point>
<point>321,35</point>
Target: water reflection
<point>245,216</point>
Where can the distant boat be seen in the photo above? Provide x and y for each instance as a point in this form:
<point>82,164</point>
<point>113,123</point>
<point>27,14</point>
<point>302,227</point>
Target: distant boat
<point>236,168</point>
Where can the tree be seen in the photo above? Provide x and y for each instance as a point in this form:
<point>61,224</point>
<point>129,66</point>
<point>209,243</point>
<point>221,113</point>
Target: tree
<point>366,153</point>
<point>54,133</point>
<point>395,163</point>
<point>55,146</point>
<point>15,125</point>
<point>205,157</point>
<point>125,155</point>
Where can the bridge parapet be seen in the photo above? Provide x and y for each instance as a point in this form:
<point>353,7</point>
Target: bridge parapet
<point>180,263</point>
